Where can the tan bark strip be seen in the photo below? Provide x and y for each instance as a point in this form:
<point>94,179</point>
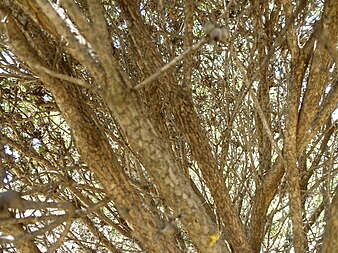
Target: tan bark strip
<point>159,163</point>
<point>95,32</point>
<point>264,195</point>
<point>135,20</point>
<point>290,142</point>
<point>96,10</point>
<point>96,151</point>
<point>187,41</point>
<point>264,32</point>
<point>290,155</point>
<point>187,120</point>
<point>148,59</point>
<point>327,29</point>
<point>328,106</point>
<point>78,50</point>
<point>93,146</point>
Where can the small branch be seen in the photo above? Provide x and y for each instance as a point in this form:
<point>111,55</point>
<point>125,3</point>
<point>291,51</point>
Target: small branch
<point>79,50</point>
<point>199,44</point>
<point>58,243</point>
<point>266,126</point>
<point>30,236</point>
<point>329,237</point>
<point>65,77</point>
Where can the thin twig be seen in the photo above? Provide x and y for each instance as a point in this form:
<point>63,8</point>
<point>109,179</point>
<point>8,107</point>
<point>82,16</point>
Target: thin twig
<point>266,126</point>
<point>30,236</point>
<point>59,242</point>
<point>66,78</point>
<point>258,107</point>
<point>178,58</point>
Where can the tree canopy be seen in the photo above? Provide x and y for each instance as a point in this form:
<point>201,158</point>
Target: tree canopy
<point>168,126</point>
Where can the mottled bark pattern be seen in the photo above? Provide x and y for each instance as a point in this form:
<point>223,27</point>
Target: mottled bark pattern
<point>164,139</point>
